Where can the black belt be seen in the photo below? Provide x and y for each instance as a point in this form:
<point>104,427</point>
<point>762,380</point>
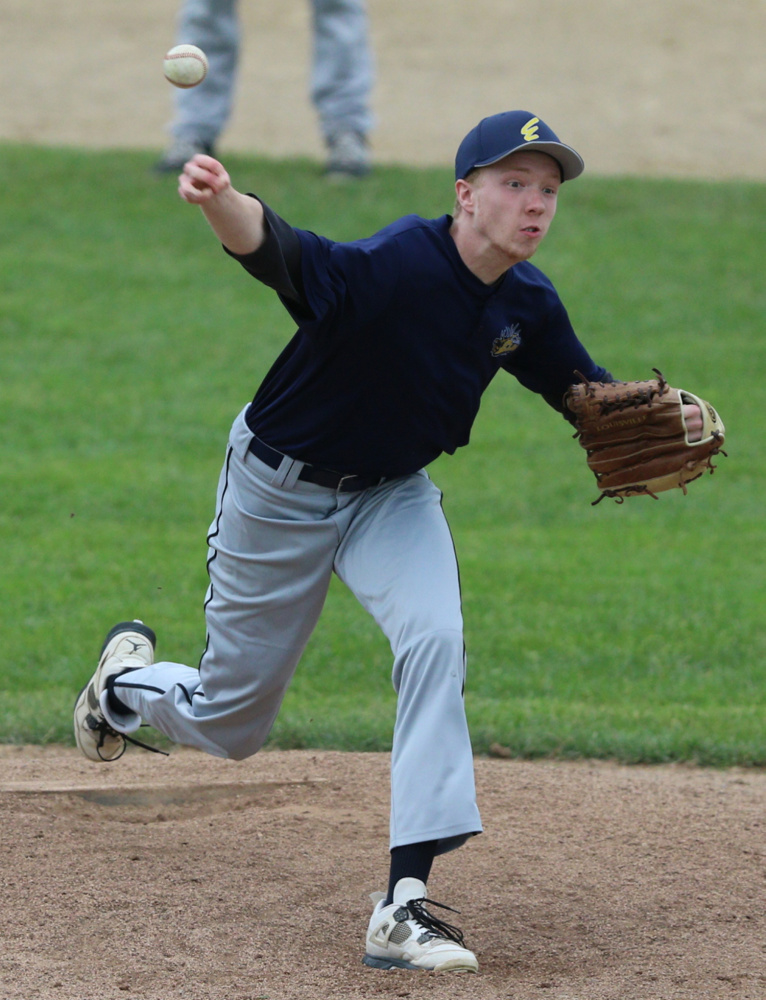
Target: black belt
<point>339,481</point>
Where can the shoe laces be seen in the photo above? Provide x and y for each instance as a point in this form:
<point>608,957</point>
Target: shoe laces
<point>102,727</point>
<point>435,926</point>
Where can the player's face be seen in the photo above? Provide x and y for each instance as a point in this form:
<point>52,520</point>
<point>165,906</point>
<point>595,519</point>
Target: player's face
<point>512,205</point>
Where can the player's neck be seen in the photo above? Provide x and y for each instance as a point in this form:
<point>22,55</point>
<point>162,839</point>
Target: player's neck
<point>481,257</point>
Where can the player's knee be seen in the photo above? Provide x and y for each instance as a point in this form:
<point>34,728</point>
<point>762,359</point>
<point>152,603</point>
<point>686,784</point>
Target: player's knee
<point>242,746</point>
<point>433,658</point>
<point>229,741</point>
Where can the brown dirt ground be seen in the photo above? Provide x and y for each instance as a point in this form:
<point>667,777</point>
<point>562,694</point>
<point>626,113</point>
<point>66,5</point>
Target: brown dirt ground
<point>202,879</point>
<point>194,878</point>
<point>660,88</point>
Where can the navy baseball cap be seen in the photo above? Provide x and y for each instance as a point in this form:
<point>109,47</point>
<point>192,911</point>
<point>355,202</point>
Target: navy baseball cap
<point>508,132</point>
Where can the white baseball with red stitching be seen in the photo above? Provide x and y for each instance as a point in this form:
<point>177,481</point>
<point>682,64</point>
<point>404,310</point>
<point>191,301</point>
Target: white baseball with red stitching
<point>185,66</point>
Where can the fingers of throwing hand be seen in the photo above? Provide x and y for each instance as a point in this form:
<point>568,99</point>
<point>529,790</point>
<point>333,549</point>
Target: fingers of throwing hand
<point>203,177</point>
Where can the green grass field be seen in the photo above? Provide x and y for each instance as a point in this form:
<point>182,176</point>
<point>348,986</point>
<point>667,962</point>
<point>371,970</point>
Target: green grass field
<point>129,342</point>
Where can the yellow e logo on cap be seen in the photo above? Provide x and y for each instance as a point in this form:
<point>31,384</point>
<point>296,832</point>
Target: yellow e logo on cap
<point>529,131</point>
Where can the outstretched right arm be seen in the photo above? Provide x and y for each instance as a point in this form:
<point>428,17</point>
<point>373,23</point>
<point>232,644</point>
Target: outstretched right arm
<point>235,218</point>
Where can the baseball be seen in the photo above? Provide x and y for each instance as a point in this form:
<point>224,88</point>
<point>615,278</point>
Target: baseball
<point>185,66</point>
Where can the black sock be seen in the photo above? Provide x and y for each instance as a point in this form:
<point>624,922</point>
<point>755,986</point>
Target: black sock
<point>410,861</point>
<point>114,703</point>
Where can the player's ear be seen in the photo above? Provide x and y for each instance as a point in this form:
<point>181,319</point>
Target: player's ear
<point>464,195</point>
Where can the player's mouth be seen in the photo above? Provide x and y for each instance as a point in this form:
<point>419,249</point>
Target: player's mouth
<point>532,230</point>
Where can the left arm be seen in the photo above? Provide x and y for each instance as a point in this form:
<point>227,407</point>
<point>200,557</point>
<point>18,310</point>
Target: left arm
<point>551,357</point>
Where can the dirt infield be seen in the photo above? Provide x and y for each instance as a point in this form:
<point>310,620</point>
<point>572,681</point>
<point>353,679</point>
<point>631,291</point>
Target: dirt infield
<point>198,879</point>
<point>192,878</point>
<point>659,88</point>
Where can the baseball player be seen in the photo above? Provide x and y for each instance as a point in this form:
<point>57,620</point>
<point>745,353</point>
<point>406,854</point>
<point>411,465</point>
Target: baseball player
<point>397,337</point>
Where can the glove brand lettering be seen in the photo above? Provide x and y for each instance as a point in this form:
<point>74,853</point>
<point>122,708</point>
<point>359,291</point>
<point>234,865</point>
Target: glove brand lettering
<point>625,422</point>
<point>529,131</point>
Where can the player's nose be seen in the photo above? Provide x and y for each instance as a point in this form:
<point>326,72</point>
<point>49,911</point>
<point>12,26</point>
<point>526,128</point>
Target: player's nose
<point>535,200</point>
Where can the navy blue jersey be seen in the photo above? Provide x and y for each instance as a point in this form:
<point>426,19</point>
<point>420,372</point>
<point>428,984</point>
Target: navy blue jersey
<point>396,341</point>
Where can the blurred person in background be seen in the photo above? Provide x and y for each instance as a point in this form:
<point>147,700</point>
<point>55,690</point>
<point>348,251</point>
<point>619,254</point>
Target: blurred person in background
<point>340,85</point>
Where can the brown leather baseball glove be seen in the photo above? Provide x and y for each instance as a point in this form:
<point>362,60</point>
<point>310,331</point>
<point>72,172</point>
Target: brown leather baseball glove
<point>636,436</point>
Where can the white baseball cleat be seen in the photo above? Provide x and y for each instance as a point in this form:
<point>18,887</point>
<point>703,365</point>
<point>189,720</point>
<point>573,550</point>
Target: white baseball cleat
<point>101,736</point>
<point>404,935</point>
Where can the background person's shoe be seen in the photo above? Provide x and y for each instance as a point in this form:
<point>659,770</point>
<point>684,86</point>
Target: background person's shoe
<point>348,156</point>
<point>180,152</point>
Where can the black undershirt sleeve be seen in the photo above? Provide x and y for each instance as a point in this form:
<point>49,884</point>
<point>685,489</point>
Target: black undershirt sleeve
<point>277,262</point>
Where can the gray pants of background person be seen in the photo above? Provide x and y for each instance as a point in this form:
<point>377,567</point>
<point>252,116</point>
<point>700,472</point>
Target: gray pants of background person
<point>274,544</point>
<point>341,69</point>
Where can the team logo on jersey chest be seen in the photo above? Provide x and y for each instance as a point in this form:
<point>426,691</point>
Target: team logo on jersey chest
<point>507,342</point>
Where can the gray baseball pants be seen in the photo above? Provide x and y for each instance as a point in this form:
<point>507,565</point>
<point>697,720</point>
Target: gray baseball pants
<point>341,68</point>
<point>274,543</point>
